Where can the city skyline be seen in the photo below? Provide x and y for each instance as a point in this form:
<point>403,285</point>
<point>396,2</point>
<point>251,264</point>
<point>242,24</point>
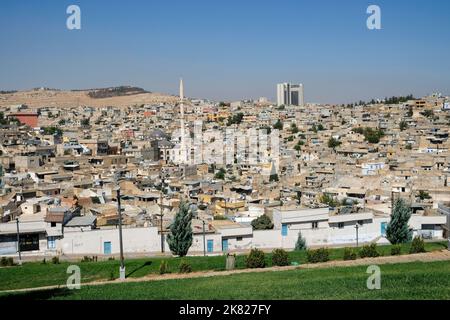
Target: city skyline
<point>329,48</point>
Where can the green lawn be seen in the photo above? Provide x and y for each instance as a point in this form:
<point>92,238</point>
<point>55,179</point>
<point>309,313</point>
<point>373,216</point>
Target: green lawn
<point>416,280</point>
<point>36,274</point>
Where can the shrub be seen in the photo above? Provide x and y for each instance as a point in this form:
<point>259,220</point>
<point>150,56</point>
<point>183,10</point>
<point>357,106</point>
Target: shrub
<point>55,260</point>
<point>396,250</point>
<point>7,262</point>
<point>44,261</point>
<point>319,255</point>
<point>280,258</point>
<point>417,246</point>
<point>349,254</point>
<point>185,267</point>
<point>87,259</point>
<point>300,245</point>
<point>369,251</point>
<point>262,223</point>
<point>164,267</point>
<point>255,259</point>
<point>112,277</point>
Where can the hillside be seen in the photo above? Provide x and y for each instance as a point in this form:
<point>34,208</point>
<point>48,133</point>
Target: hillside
<point>118,96</point>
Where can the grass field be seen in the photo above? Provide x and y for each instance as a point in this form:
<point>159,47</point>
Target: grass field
<point>416,280</point>
<point>32,275</point>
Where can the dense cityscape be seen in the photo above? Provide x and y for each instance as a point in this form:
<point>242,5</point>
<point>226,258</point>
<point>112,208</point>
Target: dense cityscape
<point>335,167</point>
<point>213,158</point>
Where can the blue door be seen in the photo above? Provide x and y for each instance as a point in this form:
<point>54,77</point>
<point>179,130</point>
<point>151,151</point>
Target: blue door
<point>107,247</point>
<point>284,230</point>
<point>210,245</point>
<point>224,245</point>
<point>383,228</point>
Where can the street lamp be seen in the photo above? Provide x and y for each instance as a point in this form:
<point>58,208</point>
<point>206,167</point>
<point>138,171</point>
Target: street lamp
<point>448,230</point>
<point>204,241</point>
<point>18,241</point>
<point>161,214</point>
<point>119,209</point>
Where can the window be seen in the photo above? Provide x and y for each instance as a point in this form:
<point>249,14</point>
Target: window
<point>29,242</point>
<point>51,243</point>
<point>53,224</point>
<point>341,225</point>
<point>239,239</point>
<point>315,225</point>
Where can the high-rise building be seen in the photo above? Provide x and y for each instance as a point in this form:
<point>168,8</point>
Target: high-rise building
<point>289,94</point>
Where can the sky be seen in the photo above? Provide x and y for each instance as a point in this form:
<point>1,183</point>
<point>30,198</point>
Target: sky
<point>229,50</point>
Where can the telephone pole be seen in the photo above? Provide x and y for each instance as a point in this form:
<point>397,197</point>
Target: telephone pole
<point>357,235</point>
<point>204,239</point>
<point>119,209</point>
<point>161,214</point>
<point>18,241</point>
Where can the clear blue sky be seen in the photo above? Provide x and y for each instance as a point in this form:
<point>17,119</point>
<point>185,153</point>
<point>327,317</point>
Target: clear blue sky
<point>227,50</point>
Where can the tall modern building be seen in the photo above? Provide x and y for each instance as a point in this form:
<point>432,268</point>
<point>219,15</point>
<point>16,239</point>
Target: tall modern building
<point>289,94</point>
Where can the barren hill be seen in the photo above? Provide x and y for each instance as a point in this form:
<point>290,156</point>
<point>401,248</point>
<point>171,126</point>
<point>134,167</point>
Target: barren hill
<point>119,97</point>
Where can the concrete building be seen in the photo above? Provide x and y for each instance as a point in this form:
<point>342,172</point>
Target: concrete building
<point>290,94</point>
<point>29,119</point>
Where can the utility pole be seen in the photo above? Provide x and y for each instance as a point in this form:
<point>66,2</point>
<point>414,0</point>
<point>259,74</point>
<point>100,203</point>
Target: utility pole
<point>357,235</point>
<point>18,242</point>
<point>161,213</point>
<point>448,230</point>
<point>392,202</point>
<point>161,232</point>
<point>204,239</point>
<point>122,264</point>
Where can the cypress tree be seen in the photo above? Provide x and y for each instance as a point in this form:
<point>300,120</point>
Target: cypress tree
<point>180,237</point>
<point>301,243</point>
<point>397,230</point>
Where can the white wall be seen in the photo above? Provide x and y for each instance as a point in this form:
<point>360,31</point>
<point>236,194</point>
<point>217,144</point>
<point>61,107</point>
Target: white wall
<point>91,242</point>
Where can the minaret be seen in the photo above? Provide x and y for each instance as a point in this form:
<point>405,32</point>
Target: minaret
<point>183,138</point>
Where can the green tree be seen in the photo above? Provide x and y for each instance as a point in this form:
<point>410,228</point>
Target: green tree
<point>294,128</point>
<point>85,122</point>
<point>397,230</point>
<point>329,200</point>
<point>428,113</point>
<point>181,235</point>
<point>333,143</point>
<point>423,195</point>
<point>403,125</point>
<point>235,119</point>
<point>300,245</point>
<point>220,174</point>
<point>410,112</point>
<point>278,125</point>
<point>262,223</point>
<point>52,131</point>
<point>273,178</point>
